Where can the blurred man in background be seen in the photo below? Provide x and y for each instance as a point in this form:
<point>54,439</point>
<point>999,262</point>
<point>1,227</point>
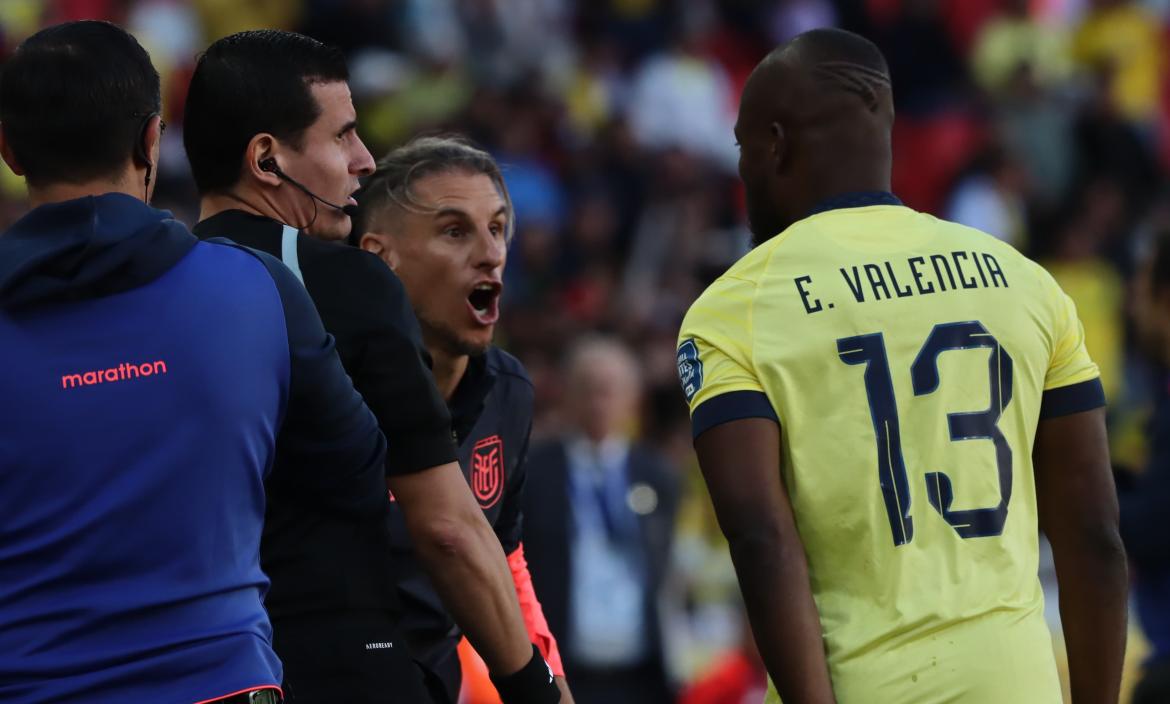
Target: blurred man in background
<point>271,136</point>
<point>851,342</point>
<point>143,420</point>
<point>599,518</point>
<point>437,212</point>
<point>1143,503</point>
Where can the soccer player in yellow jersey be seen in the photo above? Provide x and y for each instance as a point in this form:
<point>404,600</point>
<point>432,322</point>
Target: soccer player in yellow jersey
<point>886,407</point>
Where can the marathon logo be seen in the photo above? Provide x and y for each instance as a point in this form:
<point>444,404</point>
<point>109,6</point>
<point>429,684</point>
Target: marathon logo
<point>123,372</point>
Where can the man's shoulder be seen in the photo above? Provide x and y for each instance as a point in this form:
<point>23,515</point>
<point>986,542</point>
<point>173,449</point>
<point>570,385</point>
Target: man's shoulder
<point>223,248</point>
<point>344,278</point>
<point>507,368</point>
<point>349,260</point>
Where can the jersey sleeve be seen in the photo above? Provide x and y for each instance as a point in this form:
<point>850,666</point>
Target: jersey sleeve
<point>530,608</point>
<point>394,377</point>
<point>1072,383</point>
<point>715,365</point>
<point>325,425</point>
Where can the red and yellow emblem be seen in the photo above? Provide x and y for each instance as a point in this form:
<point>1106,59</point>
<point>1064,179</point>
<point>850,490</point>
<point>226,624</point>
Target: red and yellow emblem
<point>487,471</point>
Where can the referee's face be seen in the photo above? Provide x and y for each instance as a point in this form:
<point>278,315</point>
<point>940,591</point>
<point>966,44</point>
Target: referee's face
<point>331,158</point>
<point>450,254</point>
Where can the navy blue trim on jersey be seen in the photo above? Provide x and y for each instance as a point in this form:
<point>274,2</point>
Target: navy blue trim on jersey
<point>735,405</point>
<point>860,199</point>
<point>1075,398</point>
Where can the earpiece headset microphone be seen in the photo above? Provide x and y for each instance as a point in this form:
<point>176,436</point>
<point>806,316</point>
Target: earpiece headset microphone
<point>140,152</point>
<point>269,165</point>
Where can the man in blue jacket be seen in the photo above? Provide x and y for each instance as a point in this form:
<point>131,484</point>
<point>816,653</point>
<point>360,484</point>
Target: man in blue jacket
<point>150,379</point>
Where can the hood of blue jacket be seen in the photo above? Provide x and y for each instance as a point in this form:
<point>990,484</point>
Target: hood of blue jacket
<point>87,248</point>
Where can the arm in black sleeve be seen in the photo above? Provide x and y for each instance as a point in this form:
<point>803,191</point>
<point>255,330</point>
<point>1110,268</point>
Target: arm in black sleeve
<point>394,377</point>
<point>329,441</point>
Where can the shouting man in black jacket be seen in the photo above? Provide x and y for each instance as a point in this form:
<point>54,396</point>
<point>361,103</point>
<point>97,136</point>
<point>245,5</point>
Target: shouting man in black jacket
<point>437,212</point>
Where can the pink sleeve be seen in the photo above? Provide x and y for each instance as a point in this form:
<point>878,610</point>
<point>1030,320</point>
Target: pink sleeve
<point>533,615</point>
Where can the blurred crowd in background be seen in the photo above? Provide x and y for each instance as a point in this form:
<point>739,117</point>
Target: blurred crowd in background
<point>1043,122</point>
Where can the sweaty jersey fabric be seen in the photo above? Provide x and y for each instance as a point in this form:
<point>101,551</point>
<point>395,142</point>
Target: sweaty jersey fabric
<point>148,377</point>
<point>908,361</point>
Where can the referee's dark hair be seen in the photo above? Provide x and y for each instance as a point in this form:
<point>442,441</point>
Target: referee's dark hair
<point>390,185</point>
<point>247,84</point>
<point>75,100</point>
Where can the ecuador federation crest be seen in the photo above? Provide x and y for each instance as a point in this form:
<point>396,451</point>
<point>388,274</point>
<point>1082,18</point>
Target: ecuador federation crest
<point>690,368</point>
<point>487,471</point>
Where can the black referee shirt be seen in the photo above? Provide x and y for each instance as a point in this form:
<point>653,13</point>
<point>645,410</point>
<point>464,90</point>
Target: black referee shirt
<point>319,561</point>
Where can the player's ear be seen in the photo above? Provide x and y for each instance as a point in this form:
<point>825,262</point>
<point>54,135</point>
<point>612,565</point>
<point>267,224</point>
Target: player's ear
<point>261,148</point>
<point>7,154</point>
<point>779,147</point>
<point>379,246</point>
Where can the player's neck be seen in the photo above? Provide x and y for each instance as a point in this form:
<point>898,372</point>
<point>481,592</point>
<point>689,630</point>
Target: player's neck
<point>61,192</point>
<point>246,201</point>
<point>448,370</point>
<point>865,172</point>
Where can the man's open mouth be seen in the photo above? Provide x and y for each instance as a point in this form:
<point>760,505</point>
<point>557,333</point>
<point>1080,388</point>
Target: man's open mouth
<point>484,301</point>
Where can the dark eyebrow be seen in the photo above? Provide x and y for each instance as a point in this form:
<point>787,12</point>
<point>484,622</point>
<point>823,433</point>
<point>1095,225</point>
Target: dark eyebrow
<point>351,125</point>
<point>459,212</point>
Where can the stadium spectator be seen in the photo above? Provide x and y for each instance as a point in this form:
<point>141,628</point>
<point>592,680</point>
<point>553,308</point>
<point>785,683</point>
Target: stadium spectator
<point>271,135</point>
<point>146,412</point>
<point>1013,40</point>
<point>599,515</point>
<point>1122,38</point>
<point>1142,503</point>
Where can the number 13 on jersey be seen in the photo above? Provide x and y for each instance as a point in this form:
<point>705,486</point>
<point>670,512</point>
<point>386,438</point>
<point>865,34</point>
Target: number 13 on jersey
<point>870,350</point>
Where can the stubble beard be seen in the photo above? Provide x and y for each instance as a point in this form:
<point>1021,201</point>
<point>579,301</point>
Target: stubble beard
<point>448,339</point>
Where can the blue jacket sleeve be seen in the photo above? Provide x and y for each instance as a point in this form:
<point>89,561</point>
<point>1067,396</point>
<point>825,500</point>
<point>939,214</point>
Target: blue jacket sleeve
<point>329,443</point>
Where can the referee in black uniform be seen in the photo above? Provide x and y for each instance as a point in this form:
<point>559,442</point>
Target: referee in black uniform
<point>270,133</point>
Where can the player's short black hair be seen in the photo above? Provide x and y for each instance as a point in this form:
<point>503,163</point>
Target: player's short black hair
<point>246,84</point>
<point>391,184</point>
<point>830,44</point>
<point>74,101</point>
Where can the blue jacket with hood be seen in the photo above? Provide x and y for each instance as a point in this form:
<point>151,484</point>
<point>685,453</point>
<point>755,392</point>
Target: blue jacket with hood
<point>148,380</point>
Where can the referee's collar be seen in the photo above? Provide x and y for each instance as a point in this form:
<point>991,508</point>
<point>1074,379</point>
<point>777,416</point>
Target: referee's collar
<point>856,199</point>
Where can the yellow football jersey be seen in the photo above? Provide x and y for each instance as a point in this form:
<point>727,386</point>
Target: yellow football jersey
<point>907,360</point>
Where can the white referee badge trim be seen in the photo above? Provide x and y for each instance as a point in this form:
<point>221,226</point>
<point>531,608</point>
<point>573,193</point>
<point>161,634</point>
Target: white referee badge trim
<point>690,368</point>
<point>288,252</point>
